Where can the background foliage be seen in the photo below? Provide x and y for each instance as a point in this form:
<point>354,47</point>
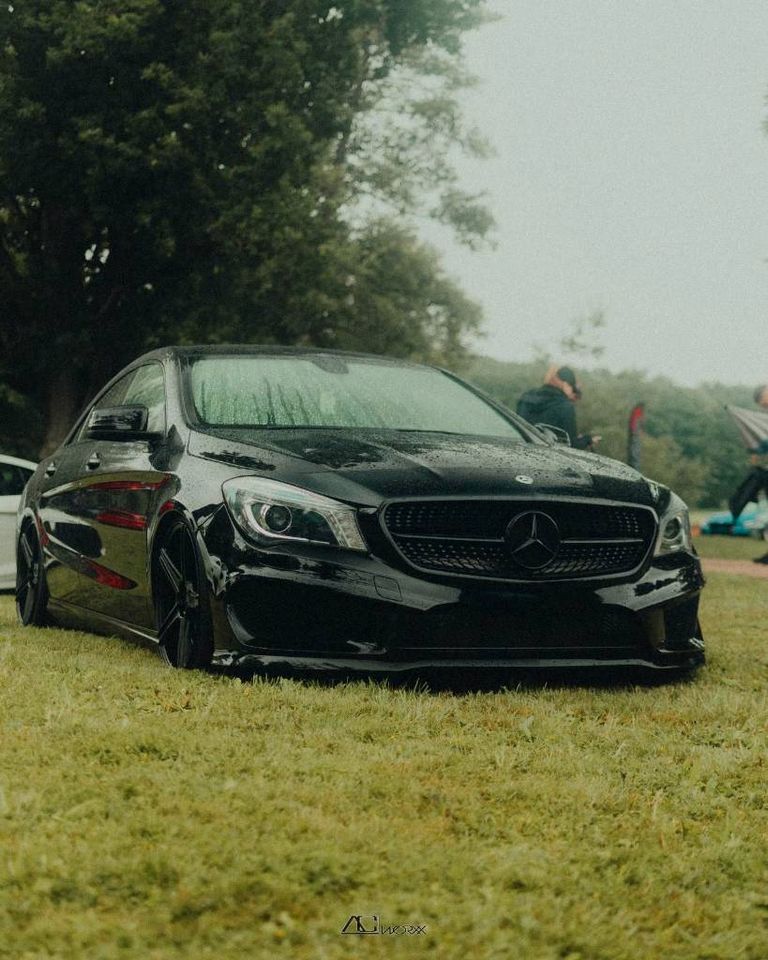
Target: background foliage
<point>208,170</point>
<point>214,171</point>
<point>691,442</point>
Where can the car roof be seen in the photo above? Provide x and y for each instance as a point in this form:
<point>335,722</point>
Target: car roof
<point>263,350</point>
<point>17,462</point>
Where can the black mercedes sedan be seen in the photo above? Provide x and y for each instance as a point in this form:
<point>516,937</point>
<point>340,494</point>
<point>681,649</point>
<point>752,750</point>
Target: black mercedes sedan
<point>299,509</point>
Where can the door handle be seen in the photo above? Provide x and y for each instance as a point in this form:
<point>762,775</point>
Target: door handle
<point>50,469</point>
<point>93,461</point>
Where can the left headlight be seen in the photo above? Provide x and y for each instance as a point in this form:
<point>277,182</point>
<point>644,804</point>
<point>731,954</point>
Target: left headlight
<point>270,512</point>
<point>674,528</point>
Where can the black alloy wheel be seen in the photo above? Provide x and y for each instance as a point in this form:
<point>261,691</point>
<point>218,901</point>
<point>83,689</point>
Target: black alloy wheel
<point>31,585</point>
<point>182,612</point>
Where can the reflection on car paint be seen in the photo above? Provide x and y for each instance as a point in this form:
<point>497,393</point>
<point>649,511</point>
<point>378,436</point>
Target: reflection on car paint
<point>300,604</point>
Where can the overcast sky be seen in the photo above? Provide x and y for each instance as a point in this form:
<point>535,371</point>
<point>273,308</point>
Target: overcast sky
<point>631,174</point>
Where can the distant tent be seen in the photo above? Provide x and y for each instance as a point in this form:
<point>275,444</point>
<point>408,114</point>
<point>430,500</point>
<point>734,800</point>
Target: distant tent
<point>753,427</point>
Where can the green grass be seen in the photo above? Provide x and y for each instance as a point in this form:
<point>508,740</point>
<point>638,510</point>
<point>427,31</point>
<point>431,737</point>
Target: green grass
<point>151,814</point>
<point>731,548</point>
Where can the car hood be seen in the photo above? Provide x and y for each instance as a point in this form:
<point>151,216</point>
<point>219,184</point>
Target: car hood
<point>367,467</point>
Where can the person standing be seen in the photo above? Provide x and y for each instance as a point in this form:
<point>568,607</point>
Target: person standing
<point>554,404</point>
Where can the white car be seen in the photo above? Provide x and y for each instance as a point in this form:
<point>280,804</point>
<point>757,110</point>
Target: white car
<point>14,474</point>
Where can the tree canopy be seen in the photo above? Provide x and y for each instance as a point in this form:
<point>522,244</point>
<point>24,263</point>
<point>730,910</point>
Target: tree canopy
<point>212,170</point>
<point>180,170</point>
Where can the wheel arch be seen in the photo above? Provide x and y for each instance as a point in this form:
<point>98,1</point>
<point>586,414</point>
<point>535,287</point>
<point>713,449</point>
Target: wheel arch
<point>24,517</point>
<point>178,511</point>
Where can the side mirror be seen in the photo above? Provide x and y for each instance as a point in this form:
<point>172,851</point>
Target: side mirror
<point>554,434</point>
<point>119,423</point>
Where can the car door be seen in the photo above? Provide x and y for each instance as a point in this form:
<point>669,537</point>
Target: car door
<point>12,481</point>
<point>121,485</point>
<point>72,546</point>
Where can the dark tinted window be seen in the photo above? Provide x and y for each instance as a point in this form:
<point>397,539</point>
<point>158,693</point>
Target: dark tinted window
<point>12,479</point>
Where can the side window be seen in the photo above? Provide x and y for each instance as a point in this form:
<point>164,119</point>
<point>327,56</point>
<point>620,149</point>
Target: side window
<point>114,397</point>
<point>148,389</point>
<point>12,480</point>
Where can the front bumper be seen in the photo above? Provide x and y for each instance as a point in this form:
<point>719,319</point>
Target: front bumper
<point>341,612</point>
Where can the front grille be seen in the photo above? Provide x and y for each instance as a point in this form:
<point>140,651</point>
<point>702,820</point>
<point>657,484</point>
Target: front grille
<point>470,538</point>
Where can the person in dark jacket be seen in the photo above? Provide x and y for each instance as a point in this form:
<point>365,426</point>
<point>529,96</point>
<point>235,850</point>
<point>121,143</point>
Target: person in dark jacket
<point>554,404</point>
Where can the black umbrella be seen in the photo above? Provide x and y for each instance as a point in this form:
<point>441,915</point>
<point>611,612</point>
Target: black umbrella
<point>753,427</point>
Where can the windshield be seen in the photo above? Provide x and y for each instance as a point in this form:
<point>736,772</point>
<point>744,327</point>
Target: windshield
<point>330,391</point>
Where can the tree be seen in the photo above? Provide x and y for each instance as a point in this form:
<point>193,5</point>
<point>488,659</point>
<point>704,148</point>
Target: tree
<point>173,170</point>
<point>400,302</point>
<point>582,340</point>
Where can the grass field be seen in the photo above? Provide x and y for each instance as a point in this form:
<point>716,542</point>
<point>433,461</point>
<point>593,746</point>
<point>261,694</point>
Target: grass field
<point>151,814</point>
<point>731,548</point>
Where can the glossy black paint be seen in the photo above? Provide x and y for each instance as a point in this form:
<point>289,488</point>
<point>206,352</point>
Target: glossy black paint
<point>100,506</point>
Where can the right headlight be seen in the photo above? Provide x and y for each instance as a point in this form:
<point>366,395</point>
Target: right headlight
<point>674,528</point>
<point>270,512</point>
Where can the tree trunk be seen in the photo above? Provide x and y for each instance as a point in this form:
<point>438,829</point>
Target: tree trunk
<point>62,406</point>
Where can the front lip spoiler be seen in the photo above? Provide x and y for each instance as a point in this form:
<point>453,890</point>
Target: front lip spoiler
<point>680,661</point>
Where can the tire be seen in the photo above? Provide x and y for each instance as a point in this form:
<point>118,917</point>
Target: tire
<point>181,600</point>
<point>31,584</point>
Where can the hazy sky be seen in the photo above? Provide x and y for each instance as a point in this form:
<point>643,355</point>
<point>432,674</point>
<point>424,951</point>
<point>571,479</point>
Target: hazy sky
<point>631,175</point>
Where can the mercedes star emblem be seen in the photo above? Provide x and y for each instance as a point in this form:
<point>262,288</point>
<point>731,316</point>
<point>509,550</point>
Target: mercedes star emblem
<point>533,539</point>
<point>523,478</point>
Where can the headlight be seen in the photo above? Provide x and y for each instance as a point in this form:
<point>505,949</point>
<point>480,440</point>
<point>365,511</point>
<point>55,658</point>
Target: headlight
<point>271,512</point>
<point>674,528</point>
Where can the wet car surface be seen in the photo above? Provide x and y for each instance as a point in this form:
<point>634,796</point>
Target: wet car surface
<point>311,510</point>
